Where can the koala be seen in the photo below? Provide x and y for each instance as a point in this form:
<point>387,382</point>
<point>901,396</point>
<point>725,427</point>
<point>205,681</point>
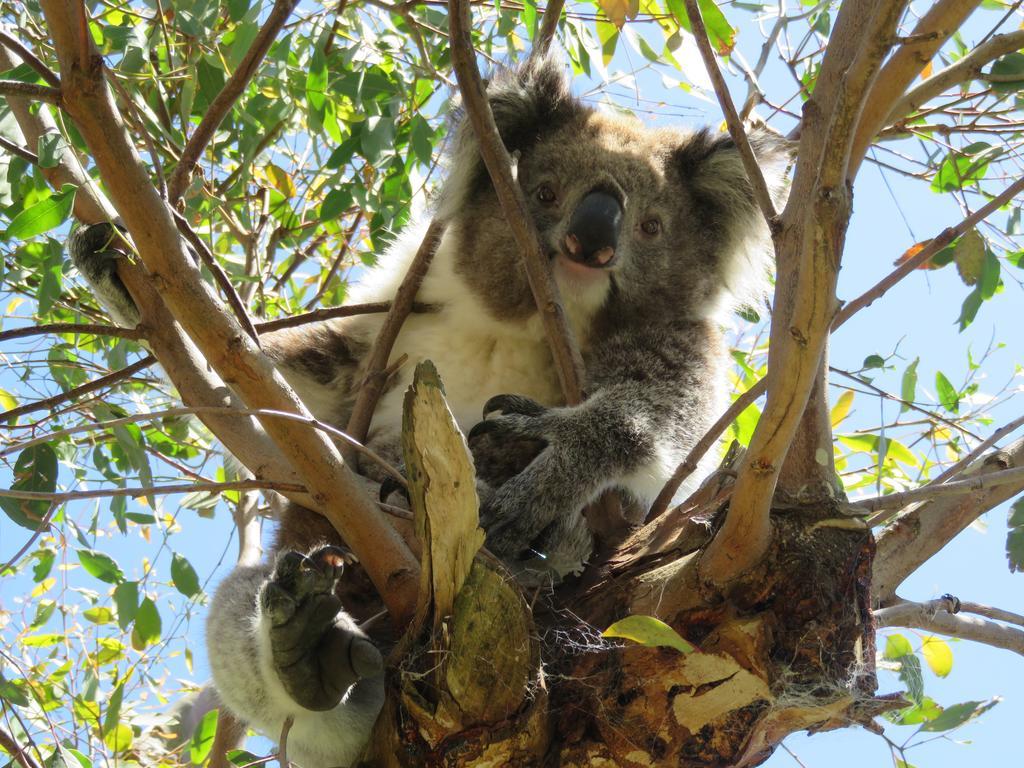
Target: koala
<point>652,235</point>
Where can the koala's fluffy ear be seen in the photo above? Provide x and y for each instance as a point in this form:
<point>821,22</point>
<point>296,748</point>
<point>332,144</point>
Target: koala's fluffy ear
<point>528,102</point>
<point>712,165</point>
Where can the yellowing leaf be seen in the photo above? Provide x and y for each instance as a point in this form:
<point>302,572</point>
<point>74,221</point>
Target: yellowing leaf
<point>969,254</point>
<point>938,655</point>
<point>281,180</point>
<point>618,11</point>
<point>649,632</point>
<point>842,407</point>
<point>927,71</point>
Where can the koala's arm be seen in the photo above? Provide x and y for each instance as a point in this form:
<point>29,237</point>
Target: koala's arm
<point>651,395</point>
<point>276,633</point>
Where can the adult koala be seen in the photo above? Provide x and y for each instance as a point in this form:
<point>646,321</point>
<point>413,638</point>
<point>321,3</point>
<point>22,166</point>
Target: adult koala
<point>652,235</point>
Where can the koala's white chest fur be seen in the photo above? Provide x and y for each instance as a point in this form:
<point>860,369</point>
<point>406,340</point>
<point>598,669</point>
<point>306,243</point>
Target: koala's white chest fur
<point>476,355</point>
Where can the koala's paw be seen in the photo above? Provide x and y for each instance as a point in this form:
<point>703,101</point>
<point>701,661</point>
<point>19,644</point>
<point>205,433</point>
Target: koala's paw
<point>498,453</point>
<point>317,650</point>
<point>95,250</point>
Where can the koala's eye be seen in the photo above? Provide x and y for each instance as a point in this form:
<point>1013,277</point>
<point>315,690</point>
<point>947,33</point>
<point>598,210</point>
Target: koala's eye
<point>546,194</point>
<point>651,227</point>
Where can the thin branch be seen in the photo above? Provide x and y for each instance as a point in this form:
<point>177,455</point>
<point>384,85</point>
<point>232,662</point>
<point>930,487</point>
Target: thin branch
<point>934,617</point>
<point>350,310</point>
<point>163,490</point>
<point>16,751</point>
<point>15,45</point>
<point>205,409</point>
<point>30,91</point>
<point>971,457</point>
<point>921,531</point>
<point>922,257</point>
<point>95,329</point>
<point>990,612</point>
<point>73,394</point>
<point>282,747</point>
<point>960,71</point>
<point>902,499</point>
<point>937,25</point>
<point>732,119</point>
<point>227,97</point>
<point>376,362</point>
<point>548,27</point>
<point>21,152</point>
<point>44,523</point>
<point>568,362</point>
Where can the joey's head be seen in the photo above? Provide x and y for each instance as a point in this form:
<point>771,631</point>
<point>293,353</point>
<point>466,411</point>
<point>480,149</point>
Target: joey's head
<point>648,220</point>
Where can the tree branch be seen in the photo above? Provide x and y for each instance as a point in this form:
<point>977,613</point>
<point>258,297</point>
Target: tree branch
<point>73,394</point>
<point>962,70</point>
<point>21,152</point>
<point>932,31</point>
<point>332,487</point>
<point>548,27</point>
<point>967,460</point>
<point>81,328</point>
<point>349,310</point>
<point>375,377</point>
<point>732,119</point>
<point>934,616</point>
<point>809,247</point>
<point>16,751</point>
<point>901,499</point>
<point>30,91</point>
<point>568,362</point>
<point>19,49</point>
<point>163,490</point>
<point>918,533</point>
<point>227,97</point>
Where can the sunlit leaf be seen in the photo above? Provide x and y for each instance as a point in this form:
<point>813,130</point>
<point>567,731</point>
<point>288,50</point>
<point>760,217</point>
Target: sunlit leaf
<point>35,471</point>
<point>202,738</point>
<point>842,408</point>
<point>43,216</point>
<point>184,576</point>
<point>948,396</point>
<point>648,631</point>
<point>908,385</point>
<point>100,565</point>
<point>938,654</point>
<point>958,714</point>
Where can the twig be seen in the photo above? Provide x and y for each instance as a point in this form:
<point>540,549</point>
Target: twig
<point>193,487</point>
<point>320,315</point>
<point>30,91</point>
<point>206,409</point>
<point>934,617</point>
<point>81,328</point>
<point>233,299</point>
<point>959,71</point>
<point>44,523</point>
<point>966,461</point>
<point>73,394</point>
<point>282,747</point>
<point>901,499</point>
<point>15,750</point>
<point>375,377</point>
<point>225,100</point>
<point>15,45</point>
<point>342,252</point>
<point>933,246</point>
<point>568,362</point>
<point>548,27</point>
<point>990,612</point>
<point>732,119</point>
<point>21,152</point>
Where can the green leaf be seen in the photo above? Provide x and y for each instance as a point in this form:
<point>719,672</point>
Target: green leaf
<point>908,385</point>
<point>202,738</point>
<point>1015,536</point>
<point>49,148</point>
<point>897,646</point>
<point>184,576</point>
<point>98,615</point>
<point>963,167</point>
<point>958,714</point>
<point>938,654</point>
<point>969,255</point>
<point>873,361</point>
<point>969,309</point>
<point>948,396</point>
<point>316,81</point>
<point>649,632</point>
<point>113,710</point>
<point>126,598</point>
<point>35,470</point>
<point>44,610</point>
<point>102,566</point>
<point>147,625</point>
<point>42,216</point>
<point>910,674</point>
<point>720,33</point>
<point>13,692</point>
<point>1010,72</point>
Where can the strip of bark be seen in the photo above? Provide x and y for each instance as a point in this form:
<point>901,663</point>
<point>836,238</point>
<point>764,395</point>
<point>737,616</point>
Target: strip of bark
<point>919,533</point>
<point>935,619</point>
<point>334,489</point>
<point>225,100</point>
<point>22,51</point>
<point>732,118</point>
<point>568,362</point>
<point>940,22</point>
<point>809,248</point>
<point>375,377</point>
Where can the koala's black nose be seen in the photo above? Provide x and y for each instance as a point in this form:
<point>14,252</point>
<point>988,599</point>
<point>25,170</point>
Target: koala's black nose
<point>594,230</point>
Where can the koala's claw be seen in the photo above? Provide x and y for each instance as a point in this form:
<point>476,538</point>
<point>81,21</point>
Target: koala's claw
<point>316,649</point>
<point>505,404</point>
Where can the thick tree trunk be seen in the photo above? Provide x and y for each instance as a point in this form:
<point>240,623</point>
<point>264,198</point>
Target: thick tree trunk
<point>788,647</point>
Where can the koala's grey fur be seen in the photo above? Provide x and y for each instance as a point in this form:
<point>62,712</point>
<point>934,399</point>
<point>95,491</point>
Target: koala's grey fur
<point>648,330</point>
